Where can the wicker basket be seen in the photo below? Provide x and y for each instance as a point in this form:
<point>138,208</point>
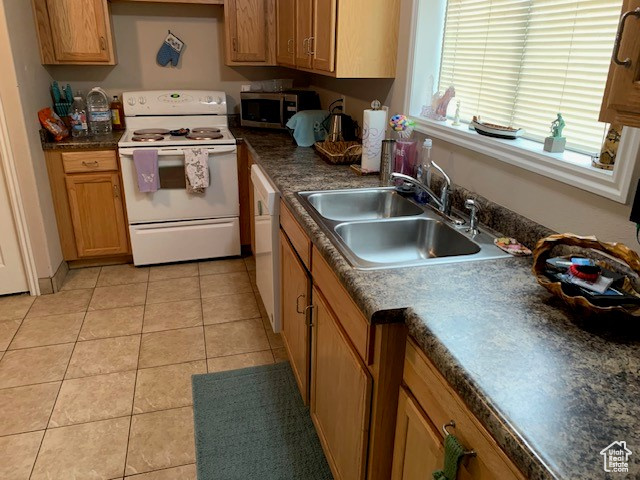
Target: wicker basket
<point>543,250</point>
<point>340,153</point>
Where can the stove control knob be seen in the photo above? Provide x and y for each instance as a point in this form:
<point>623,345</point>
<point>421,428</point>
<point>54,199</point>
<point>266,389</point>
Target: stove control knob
<point>208,99</point>
<point>131,101</point>
<point>220,102</point>
<point>142,100</point>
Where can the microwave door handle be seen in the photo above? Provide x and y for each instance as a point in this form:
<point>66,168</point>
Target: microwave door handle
<point>283,114</point>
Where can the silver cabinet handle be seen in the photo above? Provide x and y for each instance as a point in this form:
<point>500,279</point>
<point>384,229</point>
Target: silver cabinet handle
<point>626,63</point>
<point>298,304</point>
<point>116,191</point>
<point>452,424</point>
<point>290,46</point>
<point>305,46</point>
<point>259,208</point>
<point>234,44</point>
<point>103,43</point>
<point>312,40</point>
<point>90,164</point>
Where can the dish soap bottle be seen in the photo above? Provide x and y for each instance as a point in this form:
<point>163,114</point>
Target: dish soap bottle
<point>99,112</point>
<point>424,170</point>
<point>79,127</point>
<point>117,114</point>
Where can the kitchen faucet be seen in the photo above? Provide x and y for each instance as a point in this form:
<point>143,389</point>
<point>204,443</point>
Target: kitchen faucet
<point>442,201</point>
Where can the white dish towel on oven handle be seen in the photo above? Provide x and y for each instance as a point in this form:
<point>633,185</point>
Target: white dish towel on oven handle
<point>196,169</point>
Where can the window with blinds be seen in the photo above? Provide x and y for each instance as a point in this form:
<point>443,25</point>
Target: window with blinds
<point>520,62</point>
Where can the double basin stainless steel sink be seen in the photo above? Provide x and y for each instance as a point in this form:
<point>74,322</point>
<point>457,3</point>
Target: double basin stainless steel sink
<point>378,228</point>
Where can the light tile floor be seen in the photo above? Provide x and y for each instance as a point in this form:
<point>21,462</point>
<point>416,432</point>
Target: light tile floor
<point>95,381</point>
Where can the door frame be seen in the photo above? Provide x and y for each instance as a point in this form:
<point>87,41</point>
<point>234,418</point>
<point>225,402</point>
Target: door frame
<point>16,205</point>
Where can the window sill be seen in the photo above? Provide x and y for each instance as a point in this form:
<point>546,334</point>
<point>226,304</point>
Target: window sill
<point>568,167</point>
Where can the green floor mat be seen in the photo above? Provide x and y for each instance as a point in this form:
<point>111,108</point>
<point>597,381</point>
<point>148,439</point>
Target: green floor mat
<point>251,424</point>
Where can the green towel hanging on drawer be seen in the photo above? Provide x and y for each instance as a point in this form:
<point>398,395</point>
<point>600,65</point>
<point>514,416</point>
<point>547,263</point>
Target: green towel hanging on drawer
<point>453,452</point>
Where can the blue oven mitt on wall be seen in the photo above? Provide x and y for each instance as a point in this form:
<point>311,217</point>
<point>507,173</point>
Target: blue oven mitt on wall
<point>170,50</point>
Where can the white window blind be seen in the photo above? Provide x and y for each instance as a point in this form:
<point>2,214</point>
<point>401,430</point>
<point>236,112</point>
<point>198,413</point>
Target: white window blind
<point>520,62</point>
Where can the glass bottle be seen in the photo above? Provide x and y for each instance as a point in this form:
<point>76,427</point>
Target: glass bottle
<point>79,126</point>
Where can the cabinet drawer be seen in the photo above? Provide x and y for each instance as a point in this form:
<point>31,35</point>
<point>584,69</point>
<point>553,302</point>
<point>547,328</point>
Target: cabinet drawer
<point>296,235</point>
<point>442,405</point>
<point>349,315</point>
<point>83,162</point>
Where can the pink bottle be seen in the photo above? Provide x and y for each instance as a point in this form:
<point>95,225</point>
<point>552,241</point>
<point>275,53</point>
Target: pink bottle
<point>406,157</point>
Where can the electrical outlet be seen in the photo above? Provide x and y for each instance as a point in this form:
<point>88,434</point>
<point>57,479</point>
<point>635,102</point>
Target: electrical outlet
<point>344,103</point>
<point>635,206</point>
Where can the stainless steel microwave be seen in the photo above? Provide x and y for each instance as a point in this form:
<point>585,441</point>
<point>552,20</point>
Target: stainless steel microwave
<point>273,110</point>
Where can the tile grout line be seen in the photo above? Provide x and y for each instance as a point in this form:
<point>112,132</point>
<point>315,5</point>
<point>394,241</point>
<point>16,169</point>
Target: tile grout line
<point>35,460</point>
<point>135,385</point>
<point>19,326</point>
<point>132,369</point>
<point>159,470</point>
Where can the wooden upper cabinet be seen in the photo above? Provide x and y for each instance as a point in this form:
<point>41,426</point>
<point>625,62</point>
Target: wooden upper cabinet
<point>286,31</point>
<point>322,44</point>
<point>74,32</point>
<point>304,32</point>
<point>340,395</point>
<point>347,39</point>
<point>621,101</point>
<point>97,214</point>
<point>250,32</point>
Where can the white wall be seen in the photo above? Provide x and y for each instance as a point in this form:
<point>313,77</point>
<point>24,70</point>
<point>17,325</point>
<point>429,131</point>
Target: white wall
<point>140,29</point>
<point>556,205</point>
<point>24,86</point>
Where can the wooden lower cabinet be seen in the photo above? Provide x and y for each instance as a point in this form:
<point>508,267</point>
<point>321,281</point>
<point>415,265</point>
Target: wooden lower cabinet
<point>340,395</point>
<point>418,446</point>
<point>97,214</point>
<point>296,296</point>
<point>426,403</point>
<point>89,205</point>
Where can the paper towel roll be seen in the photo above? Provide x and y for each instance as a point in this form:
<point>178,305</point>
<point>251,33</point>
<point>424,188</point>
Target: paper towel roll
<point>374,125</point>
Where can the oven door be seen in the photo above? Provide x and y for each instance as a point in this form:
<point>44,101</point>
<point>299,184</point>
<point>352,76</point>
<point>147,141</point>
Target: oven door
<point>261,110</point>
<point>172,202</point>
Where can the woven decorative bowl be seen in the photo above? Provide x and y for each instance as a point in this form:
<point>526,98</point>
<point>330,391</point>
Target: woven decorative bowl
<point>543,250</point>
<point>340,153</point>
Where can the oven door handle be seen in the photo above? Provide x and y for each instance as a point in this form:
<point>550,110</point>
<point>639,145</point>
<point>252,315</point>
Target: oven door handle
<point>163,152</point>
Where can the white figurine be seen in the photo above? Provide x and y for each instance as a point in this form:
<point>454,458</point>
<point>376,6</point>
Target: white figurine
<point>456,118</point>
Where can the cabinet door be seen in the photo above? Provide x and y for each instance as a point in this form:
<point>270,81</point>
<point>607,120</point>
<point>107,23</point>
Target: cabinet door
<point>418,447</point>
<point>304,29</point>
<point>323,41</point>
<point>296,290</point>
<point>80,30</point>
<point>97,214</point>
<point>340,395</point>
<point>285,27</point>
<point>621,102</point>
<point>246,23</point>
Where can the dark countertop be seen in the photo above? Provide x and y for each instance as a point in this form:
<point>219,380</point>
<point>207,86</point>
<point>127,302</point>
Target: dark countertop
<point>553,389</point>
<point>104,142</point>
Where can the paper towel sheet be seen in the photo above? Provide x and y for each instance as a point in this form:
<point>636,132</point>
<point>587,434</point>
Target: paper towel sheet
<point>374,125</point>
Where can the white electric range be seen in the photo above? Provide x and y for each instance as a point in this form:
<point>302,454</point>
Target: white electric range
<point>171,225</point>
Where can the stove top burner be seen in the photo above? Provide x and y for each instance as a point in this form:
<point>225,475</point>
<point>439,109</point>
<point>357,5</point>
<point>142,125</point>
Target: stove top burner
<point>147,138</point>
<point>151,131</point>
<point>205,130</point>
<point>194,135</point>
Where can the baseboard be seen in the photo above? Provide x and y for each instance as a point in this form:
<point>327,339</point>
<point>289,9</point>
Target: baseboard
<point>49,285</point>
